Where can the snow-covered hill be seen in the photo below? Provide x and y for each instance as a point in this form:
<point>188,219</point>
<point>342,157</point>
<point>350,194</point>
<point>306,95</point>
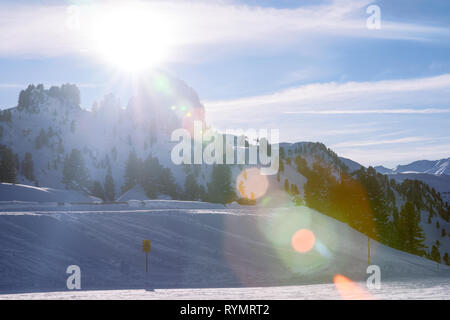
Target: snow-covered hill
<point>191,248</point>
<point>18,192</point>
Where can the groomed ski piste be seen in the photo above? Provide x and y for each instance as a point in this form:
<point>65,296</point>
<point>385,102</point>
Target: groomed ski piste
<point>198,251</point>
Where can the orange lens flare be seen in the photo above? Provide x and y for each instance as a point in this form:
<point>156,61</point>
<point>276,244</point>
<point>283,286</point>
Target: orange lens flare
<point>251,184</point>
<point>303,240</point>
<point>349,290</point>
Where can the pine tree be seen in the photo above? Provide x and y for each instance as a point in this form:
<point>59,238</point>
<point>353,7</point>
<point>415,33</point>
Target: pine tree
<point>203,194</point>
<point>435,254</point>
<point>133,169</point>
<point>167,183</point>
<point>318,188</point>
<point>97,190</point>
<point>410,232</point>
<point>282,153</point>
<point>27,167</point>
<point>109,186</point>
<point>8,165</point>
<point>70,93</point>
<point>220,189</point>
<point>41,139</point>
<point>446,259</point>
<point>150,176</point>
<point>75,174</point>
<point>5,115</point>
<point>24,98</point>
<point>378,203</point>
<point>191,188</point>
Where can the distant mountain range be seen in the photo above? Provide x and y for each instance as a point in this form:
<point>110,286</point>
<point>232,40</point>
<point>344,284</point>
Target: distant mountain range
<point>434,173</point>
<point>436,167</point>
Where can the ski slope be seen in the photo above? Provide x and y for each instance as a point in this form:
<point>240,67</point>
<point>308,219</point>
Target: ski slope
<point>434,288</point>
<point>193,246</point>
<point>25,193</point>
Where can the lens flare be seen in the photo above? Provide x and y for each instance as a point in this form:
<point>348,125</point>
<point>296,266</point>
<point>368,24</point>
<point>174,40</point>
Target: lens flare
<point>322,249</point>
<point>281,224</point>
<point>162,84</point>
<point>303,240</point>
<point>349,290</point>
<point>189,118</point>
<point>251,184</point>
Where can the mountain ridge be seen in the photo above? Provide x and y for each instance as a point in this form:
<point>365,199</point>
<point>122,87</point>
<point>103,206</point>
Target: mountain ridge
<point>436,167</point>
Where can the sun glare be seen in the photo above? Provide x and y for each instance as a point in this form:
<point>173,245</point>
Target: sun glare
<point>251,184</point>
<point>131,38</point>
<point>349,290</point>
<point>303,240</point>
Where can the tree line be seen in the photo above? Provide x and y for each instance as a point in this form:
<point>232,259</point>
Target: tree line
<point>156,179</point>
<point>366,201</point>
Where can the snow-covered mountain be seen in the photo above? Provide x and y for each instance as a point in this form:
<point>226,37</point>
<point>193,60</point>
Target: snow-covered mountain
<point>351,165</point>
<point>383,170</point>
<point>49,125</point>
<point>434,173</point>
<point>317,171</point>
<point>437,167</point>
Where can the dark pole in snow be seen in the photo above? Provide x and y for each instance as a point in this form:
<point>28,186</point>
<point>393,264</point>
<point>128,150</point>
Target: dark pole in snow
<point>146,249</point>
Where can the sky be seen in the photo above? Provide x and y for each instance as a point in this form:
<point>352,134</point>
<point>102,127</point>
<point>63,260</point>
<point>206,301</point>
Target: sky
<point>315,70</point>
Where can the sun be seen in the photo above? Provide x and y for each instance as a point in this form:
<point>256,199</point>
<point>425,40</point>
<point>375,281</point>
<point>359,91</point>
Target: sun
<point>131,38</point>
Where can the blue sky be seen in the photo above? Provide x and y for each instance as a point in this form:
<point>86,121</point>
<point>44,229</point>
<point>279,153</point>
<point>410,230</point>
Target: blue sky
<point>311,69</point>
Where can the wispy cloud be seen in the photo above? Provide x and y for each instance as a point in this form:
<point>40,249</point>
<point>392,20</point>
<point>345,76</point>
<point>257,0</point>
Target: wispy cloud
<point>43,29</point>
<point>90,85</point>
<point>10,85</point>
<point>373,111</point>
<point>87,85</point>
<point>330,113</point>
<point>379,142</point>
<point>404,96</point>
